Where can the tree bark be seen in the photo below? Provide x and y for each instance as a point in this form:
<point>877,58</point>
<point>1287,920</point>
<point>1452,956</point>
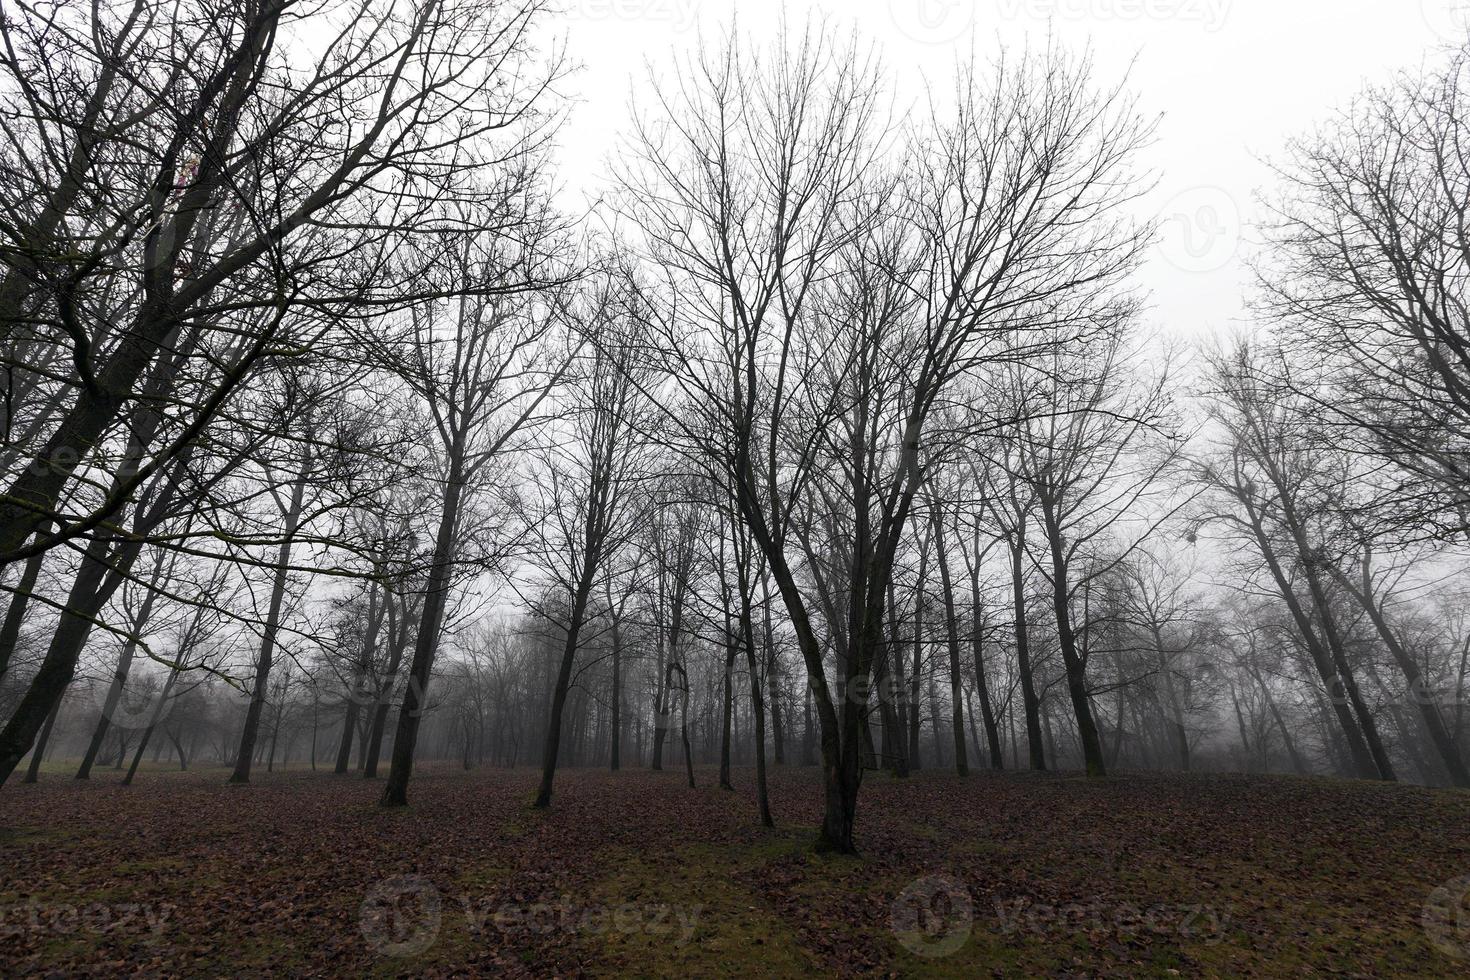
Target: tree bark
<point>20,599</point>
<point>617,693</point>
<point>99,577</point>
<point>33,771</point>
<point>119,676</point>
<point>916,699</point>
<point>727,702</point>
<point>163,697</point>
<point>426,644</point>
<point>1362,759</point>
<point>952,636</point>
<point>264,658</point>
<point>1029,700</point>
<point>747,629</point>
<point>563,682</point>
<point>399,640</point>
<point>359,673</point>
<point>897,690</point>
<point>1449,752</point>
<point>1076,667</point>
<point>982,688</point>
<point>773,674</point>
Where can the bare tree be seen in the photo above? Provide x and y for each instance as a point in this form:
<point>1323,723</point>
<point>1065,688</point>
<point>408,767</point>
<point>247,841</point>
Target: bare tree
<point>1096,439</point>
<point>483,364</point>
<point>588,478</point>
<point>213,210</point>
<point>1364,273</point>
<point>186,200</point>
<point>1270,477</point>
<point>818,310</point>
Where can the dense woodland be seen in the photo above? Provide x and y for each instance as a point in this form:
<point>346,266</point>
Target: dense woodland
<point>836,432</point>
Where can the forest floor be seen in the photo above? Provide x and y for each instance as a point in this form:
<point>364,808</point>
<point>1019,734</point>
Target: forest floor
<point>633,873</point>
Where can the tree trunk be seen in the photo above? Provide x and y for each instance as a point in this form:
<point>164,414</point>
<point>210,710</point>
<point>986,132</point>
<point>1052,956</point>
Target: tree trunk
<point>898,691</point>
<point>807,758</point>
<point>773,674</point>
<point>1296,760</point>
<point>747,629</point>
<point>952,635</point>
<point>263,661</point>
<point>982,689</point>
<point>354,706</point>
<point>33,771</point>
<point>398,639</point>
<point>426,644</point>
<point>1178,733</point>
<point>20,599</point>
<point>916,700</point>
<point>727,704</point>
<point>1362,759</point>
<point>270,757</point>
<point>1076,667</point>
<point>1449,752</point>
<point>168,687</point>
<point>617,694</point>
<point>1029,700</point>
<point>564,680</point>
<point>99,577</point>
<point>119,676</point>
<point>660,695</point>
<point>683,690</point>
<point>179,750</point>
<point>732,649</point>
<point>104,567</point>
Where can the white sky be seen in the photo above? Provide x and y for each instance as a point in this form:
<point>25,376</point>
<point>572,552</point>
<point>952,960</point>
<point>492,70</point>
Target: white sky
<point>1234,79</point>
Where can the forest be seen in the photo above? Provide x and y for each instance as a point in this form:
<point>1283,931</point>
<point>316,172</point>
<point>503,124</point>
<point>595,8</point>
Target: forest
<point>817,515</point>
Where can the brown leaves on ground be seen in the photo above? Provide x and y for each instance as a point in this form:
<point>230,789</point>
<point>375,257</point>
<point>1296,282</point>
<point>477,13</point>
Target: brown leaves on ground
<point>631,872</point>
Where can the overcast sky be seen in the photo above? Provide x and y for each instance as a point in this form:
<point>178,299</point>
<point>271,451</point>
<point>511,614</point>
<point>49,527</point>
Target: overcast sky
<point>1234,79</point>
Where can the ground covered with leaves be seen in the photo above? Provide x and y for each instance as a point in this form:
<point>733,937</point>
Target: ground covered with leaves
<point>634,873</point>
